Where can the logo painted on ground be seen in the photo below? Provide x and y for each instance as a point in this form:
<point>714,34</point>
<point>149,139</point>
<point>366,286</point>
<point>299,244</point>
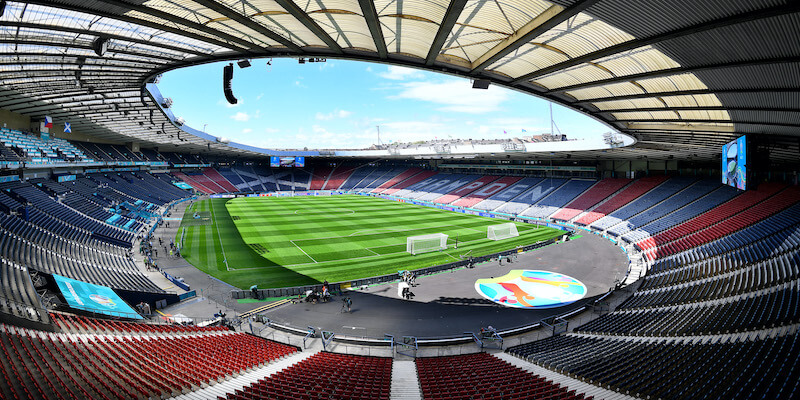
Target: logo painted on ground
<point>531,289</point>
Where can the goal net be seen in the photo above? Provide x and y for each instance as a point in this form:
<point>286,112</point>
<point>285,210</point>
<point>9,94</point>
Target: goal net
<point>502,231</point>
<point>426,243</point>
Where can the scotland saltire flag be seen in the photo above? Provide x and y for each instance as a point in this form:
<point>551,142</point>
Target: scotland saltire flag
<point>67,127</point>
<point>48,121</point>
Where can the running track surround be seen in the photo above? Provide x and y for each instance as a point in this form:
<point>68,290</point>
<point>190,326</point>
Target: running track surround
<point>531,289</point>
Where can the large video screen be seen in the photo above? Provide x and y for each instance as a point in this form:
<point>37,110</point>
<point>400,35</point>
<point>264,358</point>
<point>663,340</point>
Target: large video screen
<point>274,161</point>
<point>100,299</point>
<point>300,162</point>
<point>287,161</point>
<point>734,163</point>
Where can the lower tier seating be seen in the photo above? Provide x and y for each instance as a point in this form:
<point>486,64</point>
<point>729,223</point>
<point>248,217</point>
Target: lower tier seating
<point>325,376</point>
<point>482,376</point>
<point>671,369</point>
<point>44,365</point>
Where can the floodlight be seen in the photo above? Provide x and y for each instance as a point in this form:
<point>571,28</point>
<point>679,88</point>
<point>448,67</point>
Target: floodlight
<point>243,63</point>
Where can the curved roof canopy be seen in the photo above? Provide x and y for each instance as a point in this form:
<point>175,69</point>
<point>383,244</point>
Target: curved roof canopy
<point>681,76</point>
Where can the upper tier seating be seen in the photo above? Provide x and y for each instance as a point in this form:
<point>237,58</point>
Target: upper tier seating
<point>319,177</point>
<point>589,198</point>
<point>18,146</point>
<point>394,180</point>
<point>705,203</point>
<point>204,180</point>
<point>301,179</point>
<point>438,185</point>
<point>651,198</point>
<point>235,179</point>
<point>43,202</point>
<point>631,192</point>
<point>486,191</point>
<point>377,177</point>
<point>681,199</point>
<point>733,242</point>
<point>356,178</point>
<point>507,194</point>
<point>194,183</point>
<point>730,225</point>
<point>531,196</point>
<point>338,176</point>
<point>402,184</point>
<point>482,376</point>
<point>558,198</point>
<point>219,180</point>
<point>726,210</point>
<point>466,189</point>
<point>325,376</point>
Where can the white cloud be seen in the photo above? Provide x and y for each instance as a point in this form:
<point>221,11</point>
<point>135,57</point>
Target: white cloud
<point>331,115</point>
<point>260,95</point>
<point>455,96</point>
<point>271,130</point>
<point>246,130</point>
<point>241,116</point>
<point>396,73</point>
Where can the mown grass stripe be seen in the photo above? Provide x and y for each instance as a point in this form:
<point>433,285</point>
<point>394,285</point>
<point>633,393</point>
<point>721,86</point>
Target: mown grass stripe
<point>347,237</point>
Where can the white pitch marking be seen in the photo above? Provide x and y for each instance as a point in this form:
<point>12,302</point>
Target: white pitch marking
<point>304,252</point>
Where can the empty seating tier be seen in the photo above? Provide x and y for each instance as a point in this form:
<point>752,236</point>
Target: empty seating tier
<point>394,180</point>
<point>319,177</point>
<point>631,192</point>
<point>672,369</point>
<point>589,198</point>
<point>38,364</point>
<point>482,376</point>
<point>325,376</point>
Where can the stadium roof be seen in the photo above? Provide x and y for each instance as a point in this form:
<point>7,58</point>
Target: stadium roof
<point>681,76</point>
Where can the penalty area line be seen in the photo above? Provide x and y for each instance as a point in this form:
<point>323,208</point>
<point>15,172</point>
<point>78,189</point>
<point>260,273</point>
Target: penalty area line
<point>304,252</point>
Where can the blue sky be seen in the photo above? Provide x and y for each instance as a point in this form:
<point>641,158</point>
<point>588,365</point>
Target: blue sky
<point>339,104</point>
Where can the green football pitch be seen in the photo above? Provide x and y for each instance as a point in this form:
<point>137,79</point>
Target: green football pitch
<point>292,241</point>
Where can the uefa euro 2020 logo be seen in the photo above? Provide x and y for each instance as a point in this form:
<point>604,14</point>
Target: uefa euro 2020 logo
<point>102,300</point>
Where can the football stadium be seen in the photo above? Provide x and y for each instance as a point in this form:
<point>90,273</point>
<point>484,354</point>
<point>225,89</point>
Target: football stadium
<point>436,199</point>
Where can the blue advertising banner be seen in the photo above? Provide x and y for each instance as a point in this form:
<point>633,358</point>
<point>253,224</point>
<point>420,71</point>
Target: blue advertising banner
<point>95,298</point>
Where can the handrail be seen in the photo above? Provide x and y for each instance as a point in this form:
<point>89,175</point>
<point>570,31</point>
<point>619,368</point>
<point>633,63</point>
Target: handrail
<point>327,337</point>
<point>475,338</point>
<point>310,334</point>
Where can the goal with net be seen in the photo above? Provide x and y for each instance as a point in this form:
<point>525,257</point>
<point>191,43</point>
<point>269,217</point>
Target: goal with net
<point>502,231</point>
<point>426,243</point>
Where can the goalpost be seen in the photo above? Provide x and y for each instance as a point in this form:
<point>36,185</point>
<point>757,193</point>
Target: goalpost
<point>502,231</point>
<point>426,243</point>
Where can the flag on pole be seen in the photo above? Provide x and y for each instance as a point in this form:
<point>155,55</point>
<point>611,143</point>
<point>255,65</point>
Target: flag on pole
<point>67,127</point>
<point>48,121</point>
<point>523,130</point>
<point>504,131</point>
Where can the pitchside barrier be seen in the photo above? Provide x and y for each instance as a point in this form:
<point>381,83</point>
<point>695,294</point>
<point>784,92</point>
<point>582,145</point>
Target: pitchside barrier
<point>357,283</point>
